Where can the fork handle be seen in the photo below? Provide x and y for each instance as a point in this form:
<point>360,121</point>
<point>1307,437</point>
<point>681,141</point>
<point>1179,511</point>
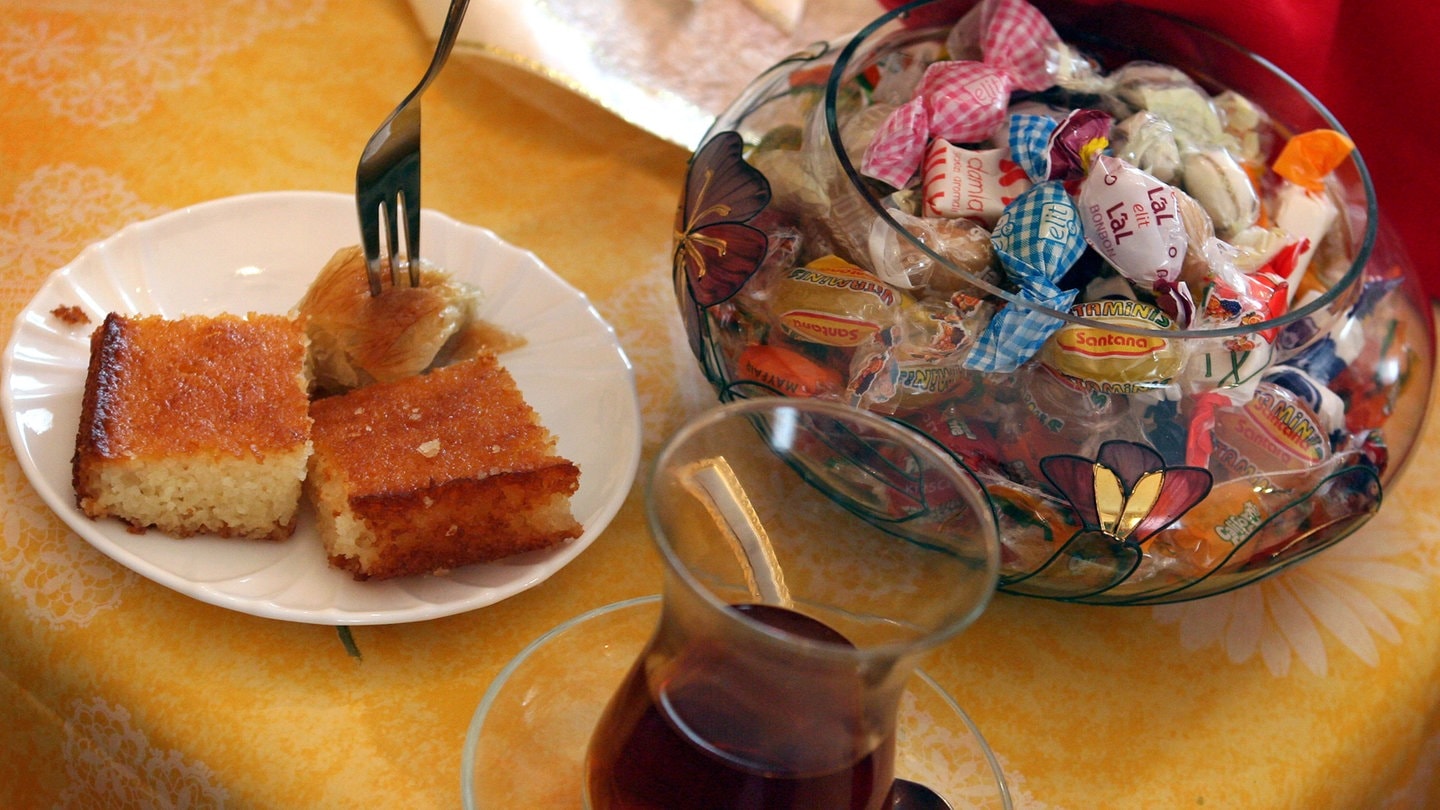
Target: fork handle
<point>449,32</point>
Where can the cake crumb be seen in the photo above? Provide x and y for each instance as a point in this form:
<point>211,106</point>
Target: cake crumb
<point>430,449</point>
<point>70,314</point>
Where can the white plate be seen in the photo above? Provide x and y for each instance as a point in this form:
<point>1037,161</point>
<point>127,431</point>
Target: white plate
<point>258,253</point>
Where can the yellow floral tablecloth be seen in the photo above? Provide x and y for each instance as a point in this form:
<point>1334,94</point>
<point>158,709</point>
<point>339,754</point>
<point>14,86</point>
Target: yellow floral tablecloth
<point>1318,688</point>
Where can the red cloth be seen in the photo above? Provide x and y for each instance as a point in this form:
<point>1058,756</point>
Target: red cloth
<point>1376,67</point>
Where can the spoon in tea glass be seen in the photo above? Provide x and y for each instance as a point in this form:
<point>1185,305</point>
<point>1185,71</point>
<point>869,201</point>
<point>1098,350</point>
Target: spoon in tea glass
<point>757,558</point>
<point>907,795</point>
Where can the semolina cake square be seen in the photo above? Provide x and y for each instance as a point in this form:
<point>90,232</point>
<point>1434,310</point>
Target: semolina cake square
<point>195,425</point>
<point>436,471</point>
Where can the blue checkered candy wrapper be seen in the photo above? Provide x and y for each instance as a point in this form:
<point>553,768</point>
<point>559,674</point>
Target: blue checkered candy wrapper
<point>1016,333</point>
<point>1037,239</point>
<point>1029,140</point>
<point>1041,228</point>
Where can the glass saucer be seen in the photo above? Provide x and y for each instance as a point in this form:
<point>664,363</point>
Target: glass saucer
<point>526,743</point>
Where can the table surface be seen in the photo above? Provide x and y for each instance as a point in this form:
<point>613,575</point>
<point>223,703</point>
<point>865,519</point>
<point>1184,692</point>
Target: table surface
<point>1316,688</point>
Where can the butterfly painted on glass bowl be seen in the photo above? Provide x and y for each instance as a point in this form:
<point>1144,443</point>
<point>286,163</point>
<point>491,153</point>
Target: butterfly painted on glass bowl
<point>1122,497</point>
<point>716,250</point>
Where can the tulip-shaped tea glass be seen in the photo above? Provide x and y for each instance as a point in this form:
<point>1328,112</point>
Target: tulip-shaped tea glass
<point>812,553</point>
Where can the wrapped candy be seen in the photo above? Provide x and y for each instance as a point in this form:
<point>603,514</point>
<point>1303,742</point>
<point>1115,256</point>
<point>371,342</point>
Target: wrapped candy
<point>938,331</point>
<point>1305,217</point>
<point>1147,141</point>
<point>1327,405</point>
<point>1108,286</point>
<point>810,187</point>
<point>1233,297</point>
<point>832,302</point>
<point>918,362</point>
<point>1170,94</point>
<point>1032,524</point>
<point>1216,180</point>
<point>973,183</point>
<point>1247,124</point>
<point>1274,432</point>
<point>896,77</point>
<point>1057,417</point>
<point>1233,364</point>
<point>1219,528</point>
<point>963,244</point>
<point>1078,138</point>
<point>1310,157</point>
<point>1037,240</point>
<point>1199,232</point>
<point>920,382</point>
<point>1133,220</point>
<point>887,380</point>
<point>787,371</point>
<point>966,422</point>
<point>1258,245</point>
<point>1302,209</point>
<point>964,101</point>
<point>1094,357</point>
<point>1323,345</point>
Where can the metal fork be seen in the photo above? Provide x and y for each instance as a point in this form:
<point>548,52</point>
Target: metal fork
<point>388,176</point>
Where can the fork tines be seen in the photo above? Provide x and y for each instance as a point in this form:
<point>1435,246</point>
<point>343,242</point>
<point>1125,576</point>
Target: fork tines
<point>387,188</point>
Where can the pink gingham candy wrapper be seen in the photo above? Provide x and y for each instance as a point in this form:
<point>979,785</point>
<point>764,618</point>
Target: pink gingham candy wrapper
<point>1018,40</point>
<point>964,101</point>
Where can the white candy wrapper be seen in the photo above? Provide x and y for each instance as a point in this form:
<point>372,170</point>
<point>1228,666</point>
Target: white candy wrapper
<point>1133,220</point>
<point>1147,141</point>
<point>972,183</point>
<point>1303,215</point>
<point>1216,180</point>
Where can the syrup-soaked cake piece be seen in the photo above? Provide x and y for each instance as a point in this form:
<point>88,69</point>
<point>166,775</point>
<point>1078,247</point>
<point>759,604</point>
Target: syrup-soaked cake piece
<point>432,472</point>
<point>195,425</point>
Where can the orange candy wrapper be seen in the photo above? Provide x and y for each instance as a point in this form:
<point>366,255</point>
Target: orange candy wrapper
<point>1308,158</point>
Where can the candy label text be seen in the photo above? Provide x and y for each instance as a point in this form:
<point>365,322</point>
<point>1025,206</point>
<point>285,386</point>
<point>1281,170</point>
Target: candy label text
<point>854,283</point>
<point>830,330</point>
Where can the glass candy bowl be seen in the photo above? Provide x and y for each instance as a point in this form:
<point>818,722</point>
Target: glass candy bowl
<point>1128,460</point>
